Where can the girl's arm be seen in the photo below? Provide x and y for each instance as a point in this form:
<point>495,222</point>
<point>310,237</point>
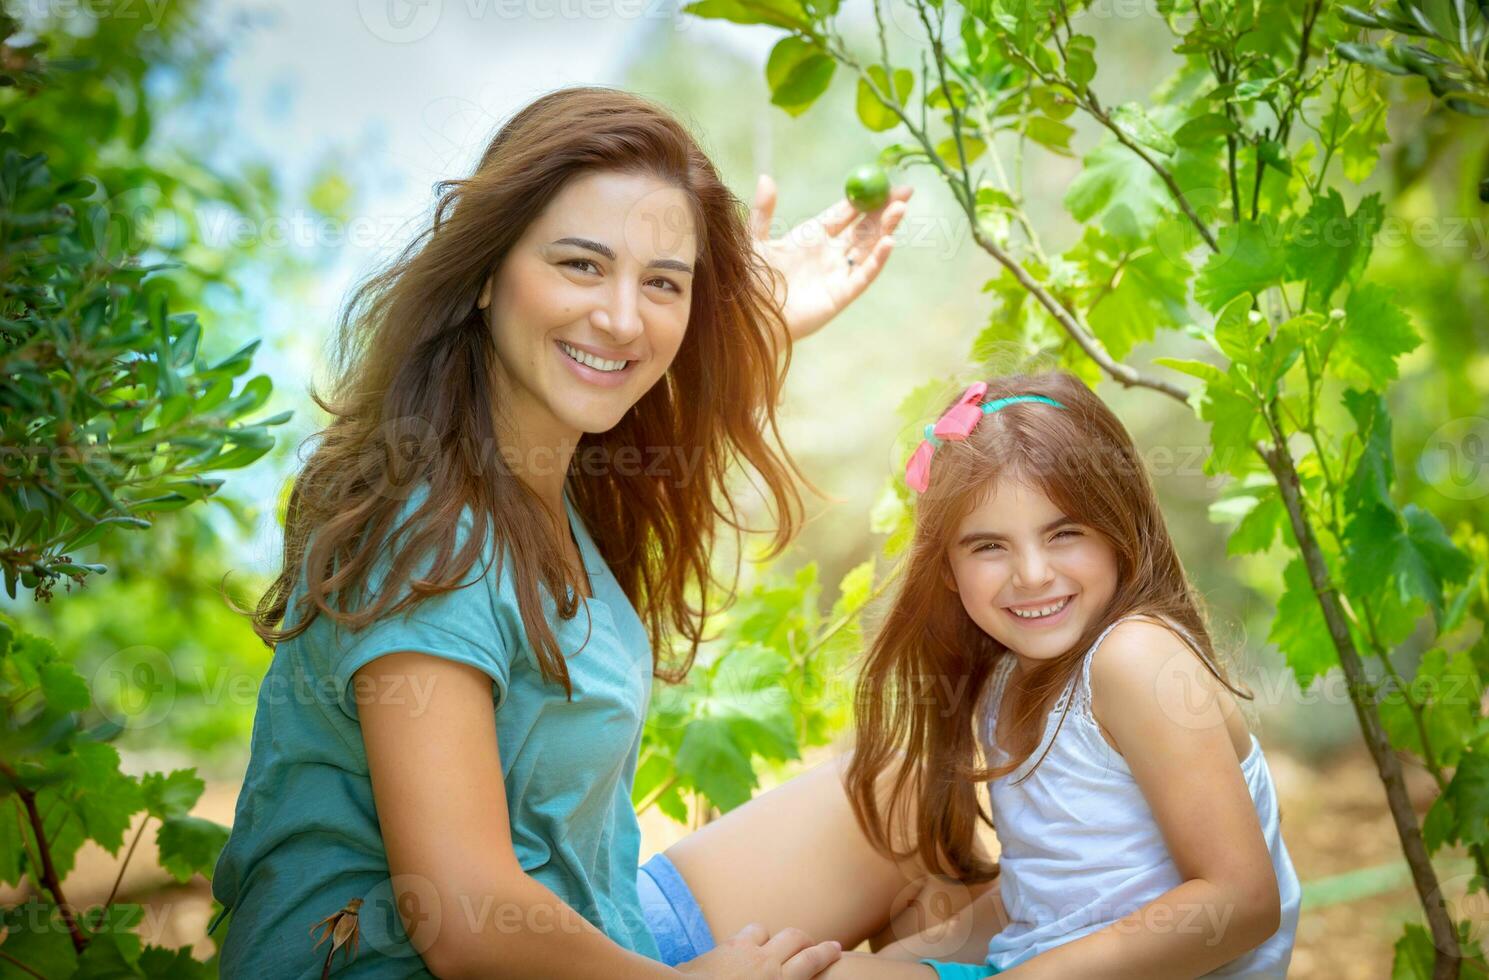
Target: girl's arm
<point>1167,714</point>
<point>468,907</point>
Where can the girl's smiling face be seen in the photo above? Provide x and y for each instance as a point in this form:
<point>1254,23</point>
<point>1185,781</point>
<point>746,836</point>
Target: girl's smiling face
<point>1017,553</point>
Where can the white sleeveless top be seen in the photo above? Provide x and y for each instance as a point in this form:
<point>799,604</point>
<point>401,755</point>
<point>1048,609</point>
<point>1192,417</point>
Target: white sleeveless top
<point>1081,847</point>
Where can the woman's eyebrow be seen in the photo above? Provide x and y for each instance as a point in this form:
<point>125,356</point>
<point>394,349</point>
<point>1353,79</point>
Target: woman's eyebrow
<point>609,253</point>
<point>973,537</point>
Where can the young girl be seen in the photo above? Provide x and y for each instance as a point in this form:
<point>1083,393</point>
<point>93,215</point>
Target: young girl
<point>1045,624</point>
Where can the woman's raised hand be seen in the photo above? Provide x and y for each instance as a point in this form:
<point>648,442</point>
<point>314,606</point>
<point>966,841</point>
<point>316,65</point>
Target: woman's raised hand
<point>754,954</point>
<point>814,256</point>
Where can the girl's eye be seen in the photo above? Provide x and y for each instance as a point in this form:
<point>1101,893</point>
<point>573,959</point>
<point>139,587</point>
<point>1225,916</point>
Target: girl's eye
<point>1072,532</point>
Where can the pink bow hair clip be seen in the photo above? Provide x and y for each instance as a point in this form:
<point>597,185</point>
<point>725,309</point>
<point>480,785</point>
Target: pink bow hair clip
<point>957,424</point>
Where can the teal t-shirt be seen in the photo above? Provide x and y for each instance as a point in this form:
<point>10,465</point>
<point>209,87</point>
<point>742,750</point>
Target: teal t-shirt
<point>305,836</point>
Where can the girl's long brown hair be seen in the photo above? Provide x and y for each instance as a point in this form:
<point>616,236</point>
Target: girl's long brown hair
<point>413,402</point>
<point>920,694</point>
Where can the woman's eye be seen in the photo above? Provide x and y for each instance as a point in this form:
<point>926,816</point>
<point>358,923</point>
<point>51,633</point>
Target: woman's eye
<point>1070,531</point>
<point>670,284</point>
<point>986,547</point>
<point>574,263</point>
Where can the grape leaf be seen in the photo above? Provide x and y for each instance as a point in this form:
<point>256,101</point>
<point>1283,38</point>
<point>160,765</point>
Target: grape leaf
<point>1298,629</point>
<point>1249,260</point>
<point>190,844</point>
<point>1376,333</point>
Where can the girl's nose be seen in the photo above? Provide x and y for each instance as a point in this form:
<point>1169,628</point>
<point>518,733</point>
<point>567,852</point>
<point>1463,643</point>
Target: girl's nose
<point>1031,570</point>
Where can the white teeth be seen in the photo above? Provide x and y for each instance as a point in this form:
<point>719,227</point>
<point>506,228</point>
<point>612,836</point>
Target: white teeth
<point>598,363</point>
<point>1038,613</point>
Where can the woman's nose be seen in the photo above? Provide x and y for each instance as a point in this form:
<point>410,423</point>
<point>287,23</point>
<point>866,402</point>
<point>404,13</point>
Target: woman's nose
<point>620,317</point>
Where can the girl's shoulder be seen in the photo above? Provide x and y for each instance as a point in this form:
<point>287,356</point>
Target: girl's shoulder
<point>1147,662</point>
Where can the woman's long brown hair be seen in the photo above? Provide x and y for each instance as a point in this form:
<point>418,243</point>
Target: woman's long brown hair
<point>921,692</point>
<point>413,402</point>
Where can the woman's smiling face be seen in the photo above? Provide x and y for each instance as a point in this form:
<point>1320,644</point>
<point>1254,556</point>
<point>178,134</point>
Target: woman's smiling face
<point>1027,574</point>
<point>590,306</point>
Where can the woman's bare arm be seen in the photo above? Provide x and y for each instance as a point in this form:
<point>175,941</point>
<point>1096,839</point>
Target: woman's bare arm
<point>961,938</point>
<point>467,905</point>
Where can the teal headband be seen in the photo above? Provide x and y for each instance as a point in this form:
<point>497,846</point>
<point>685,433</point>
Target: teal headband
<point>989,408</point>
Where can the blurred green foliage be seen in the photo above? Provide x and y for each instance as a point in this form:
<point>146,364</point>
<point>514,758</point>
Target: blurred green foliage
<point>110,417</point>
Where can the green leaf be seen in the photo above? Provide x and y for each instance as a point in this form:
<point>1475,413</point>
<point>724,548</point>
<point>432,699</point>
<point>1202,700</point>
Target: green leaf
<point>1133,293</point>
<point>1370,56</point>
<point>1240,330</point>
<point>1258,512</point>
<point>971,146</point>
<point>872,112</point>
<point>1250,259</point>
<point>1376,333</point>
<point>1415,955</point>
<point>1298,629</point>
<point>1409,551</point>
<point>1124,191</point>
<point>1203,370</point>
<point>171,795</point>
<point>1274,154</point>
<point>1466,802</point>
<point>779,13</point>
<point>63,687</point>
<point>1234,421</point>
<point>189,845</point>
<point>1203,129</point>
<point>710,759</point>
<point>798,72</point>
<point>160,963</point>
<point>1080,59</point>
<point>1369,482</point>
<point>105,797</point>
<point>1328,247</point>
<point>1049,133</point>
<point>1134,120</point>
<point>1364,134</point>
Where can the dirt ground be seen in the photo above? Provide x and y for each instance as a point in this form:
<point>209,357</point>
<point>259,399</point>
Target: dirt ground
<point>1334,822</point>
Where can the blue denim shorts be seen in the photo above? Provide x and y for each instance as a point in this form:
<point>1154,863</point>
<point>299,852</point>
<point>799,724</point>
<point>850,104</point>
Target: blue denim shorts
<point>682,934</point>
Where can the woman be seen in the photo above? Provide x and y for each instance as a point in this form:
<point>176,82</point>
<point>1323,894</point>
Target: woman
<point>541,397</point>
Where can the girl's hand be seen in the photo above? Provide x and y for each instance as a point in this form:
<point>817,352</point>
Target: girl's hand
<point>754,954</point>
<point>813,256</point>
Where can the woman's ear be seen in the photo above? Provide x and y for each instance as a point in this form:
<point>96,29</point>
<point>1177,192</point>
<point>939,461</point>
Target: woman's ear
<point>484,299</point>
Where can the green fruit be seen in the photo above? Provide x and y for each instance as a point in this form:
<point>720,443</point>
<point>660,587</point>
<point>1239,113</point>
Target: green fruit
<point>867,187</point>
